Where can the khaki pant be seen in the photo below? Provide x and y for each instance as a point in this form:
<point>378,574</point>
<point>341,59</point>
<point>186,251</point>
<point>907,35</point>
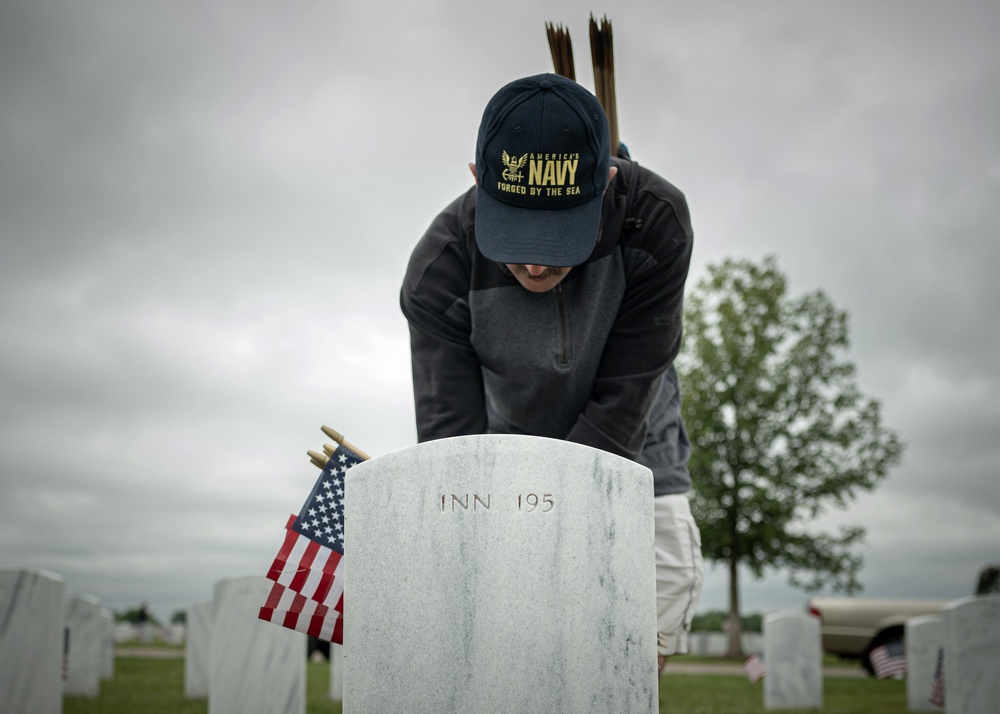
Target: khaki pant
<point>679,572</point>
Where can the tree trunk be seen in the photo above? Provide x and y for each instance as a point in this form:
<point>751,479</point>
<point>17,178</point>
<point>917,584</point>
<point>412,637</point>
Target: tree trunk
<point>735,649</point>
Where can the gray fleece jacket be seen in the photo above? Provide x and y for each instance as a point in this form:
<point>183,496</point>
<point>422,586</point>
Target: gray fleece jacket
<point>591,361</point>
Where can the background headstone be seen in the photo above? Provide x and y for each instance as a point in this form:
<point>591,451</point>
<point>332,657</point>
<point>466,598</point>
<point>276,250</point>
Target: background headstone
<point>254,666</point>
<point>793,656</point>
<point>716,644</point>
<point>752,642</point>
<point>336,672</point>
<point>125,632</point>
<point>107,644</point>
<point>197,648</point>
<point>698,643</point>
<point>175,633</point>
<point>32,611</point>
<point>500,573</point>
<point>924,636</point>
<point>83,671</point>
<point>972,655</point>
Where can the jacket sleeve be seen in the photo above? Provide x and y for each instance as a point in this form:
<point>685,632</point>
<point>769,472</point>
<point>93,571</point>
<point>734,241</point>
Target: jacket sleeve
<point>447,380</point>
<point>646,335</point>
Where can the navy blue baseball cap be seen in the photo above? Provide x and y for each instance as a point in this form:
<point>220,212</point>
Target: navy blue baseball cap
<point>542,160</point>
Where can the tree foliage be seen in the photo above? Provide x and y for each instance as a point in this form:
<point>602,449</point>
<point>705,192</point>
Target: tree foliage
<point>780,431</point>
<point>715,621</point>
<point>134,616</point>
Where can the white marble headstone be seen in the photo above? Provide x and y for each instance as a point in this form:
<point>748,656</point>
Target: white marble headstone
<point>32,608</point>
<point>716,644</point>
<point>125,632</point>
<point>107,644</point>
<point>254,666</point>
<point>176,633</point>
<point>698,643</point>
<point>197,649</point>
<point>499,573</point>
<point>924,636</point>
<point>86,631</point>
<point>336,672</point>
<point>793,657</point>
<point>972,655</point>
<point>752,642</point>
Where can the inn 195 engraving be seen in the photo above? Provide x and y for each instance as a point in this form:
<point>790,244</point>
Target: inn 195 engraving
<point>476,503</point>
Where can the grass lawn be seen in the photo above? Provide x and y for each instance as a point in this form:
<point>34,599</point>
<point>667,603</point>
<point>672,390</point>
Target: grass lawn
<point>828,661</point>
<point>728,694</point>
<point>156,686</point>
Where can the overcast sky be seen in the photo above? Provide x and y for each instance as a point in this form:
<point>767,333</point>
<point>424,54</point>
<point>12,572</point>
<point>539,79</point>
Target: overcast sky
<point>206,210</point>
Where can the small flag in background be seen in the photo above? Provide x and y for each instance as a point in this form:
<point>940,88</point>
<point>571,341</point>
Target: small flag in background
<point>936,696</point>
<point>308,591</point>
<point>754,668</point>
<point>889,660</point>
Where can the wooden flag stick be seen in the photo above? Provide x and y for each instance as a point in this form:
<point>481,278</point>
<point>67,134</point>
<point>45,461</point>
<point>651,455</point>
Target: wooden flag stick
<point>561,49</point>
<point>339,438</point>
<point>602,54</point>
<point>319,460</point>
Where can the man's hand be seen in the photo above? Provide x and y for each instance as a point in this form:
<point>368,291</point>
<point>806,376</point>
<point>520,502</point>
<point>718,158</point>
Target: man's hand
<point>661,661</point>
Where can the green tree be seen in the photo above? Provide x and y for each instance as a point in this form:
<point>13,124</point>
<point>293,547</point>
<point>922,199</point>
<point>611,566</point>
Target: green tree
<point>780,431</point>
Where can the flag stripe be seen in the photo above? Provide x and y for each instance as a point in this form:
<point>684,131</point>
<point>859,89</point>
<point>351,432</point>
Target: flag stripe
<point>285,552</point>
<point>314,576</point>
<point>334,594</point>
<point>305,565</point>
<point>297,553</point>
<point>274,597</point>
<point>288,598</point>
<point>324,581</point>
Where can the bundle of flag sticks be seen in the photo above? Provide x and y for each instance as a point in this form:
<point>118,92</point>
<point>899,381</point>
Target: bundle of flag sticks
<point>308,571</point>
<point>319,460</point>
<point>561,48</point>
<point>602,53</point>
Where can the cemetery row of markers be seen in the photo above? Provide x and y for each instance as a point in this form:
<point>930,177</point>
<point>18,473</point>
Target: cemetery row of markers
<point>455,608</point>
<point>51,645</point>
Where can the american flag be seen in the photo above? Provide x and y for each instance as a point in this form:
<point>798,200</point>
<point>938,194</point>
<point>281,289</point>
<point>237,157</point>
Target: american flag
<point>936,696</point>
<point>754,668</point>
<point>889,660</point>
<point>308,572</point>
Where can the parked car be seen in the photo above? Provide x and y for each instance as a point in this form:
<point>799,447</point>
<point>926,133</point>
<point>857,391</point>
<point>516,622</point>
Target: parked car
<point>853,627</point>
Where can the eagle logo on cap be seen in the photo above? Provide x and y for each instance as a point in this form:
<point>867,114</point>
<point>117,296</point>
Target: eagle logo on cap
<point>514,166</point>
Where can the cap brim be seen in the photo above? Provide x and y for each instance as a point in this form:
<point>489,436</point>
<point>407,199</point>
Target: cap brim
<point>559,238</point>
